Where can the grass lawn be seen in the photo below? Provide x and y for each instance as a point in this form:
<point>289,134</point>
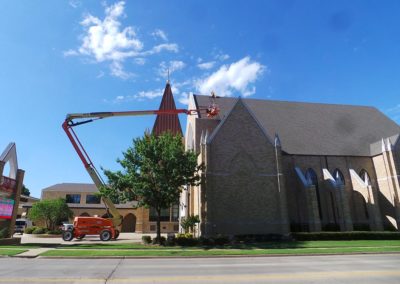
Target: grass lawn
<point>289,248</point>
<point>265,245</point>
<point>11,251</point>
<point>21,246</point>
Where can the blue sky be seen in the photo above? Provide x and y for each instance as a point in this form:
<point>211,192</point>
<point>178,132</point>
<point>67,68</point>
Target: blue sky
<point>59,57</point>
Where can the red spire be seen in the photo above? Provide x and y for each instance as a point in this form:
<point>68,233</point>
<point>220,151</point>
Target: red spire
<point>167,122</point>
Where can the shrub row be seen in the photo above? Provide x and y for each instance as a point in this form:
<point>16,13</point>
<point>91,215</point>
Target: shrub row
<point>41,230</point>
<point>187,240</point>
<point>220,240</point>
<point>147,240</point>
<point>355,235</point>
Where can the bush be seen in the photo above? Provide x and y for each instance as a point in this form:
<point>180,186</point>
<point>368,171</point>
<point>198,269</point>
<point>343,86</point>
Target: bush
<point>186,240</point>
<point>29,230</point>
<point>160,241</point>
<point>206,241</point>
<point>4,233</point>
<point>39,231</point>
<point>221,240</point>
<point>146,240</point>
<point>330,227</point>
<point>325,236</point>
<point>361,227</point>
<point>55,232</point>
<point>189,222</point>
<point>170,240</point>
<point>185,235</point>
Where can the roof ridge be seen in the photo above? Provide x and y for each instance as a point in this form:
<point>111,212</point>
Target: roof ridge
<point>294,102</point>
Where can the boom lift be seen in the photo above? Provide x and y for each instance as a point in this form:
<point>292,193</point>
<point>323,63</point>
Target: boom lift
<point>107,228</point>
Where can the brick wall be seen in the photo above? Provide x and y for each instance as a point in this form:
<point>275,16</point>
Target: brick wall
<point>242,191</point>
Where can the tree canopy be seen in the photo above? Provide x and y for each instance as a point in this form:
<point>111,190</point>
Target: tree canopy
<point>25,191</point>
<point>50,211</point>
<point>154,170</point>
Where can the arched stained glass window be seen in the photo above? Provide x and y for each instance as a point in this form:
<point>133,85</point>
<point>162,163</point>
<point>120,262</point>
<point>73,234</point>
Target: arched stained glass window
<point>338,176</point>
<point>312,178</point>
<point>365,177</point>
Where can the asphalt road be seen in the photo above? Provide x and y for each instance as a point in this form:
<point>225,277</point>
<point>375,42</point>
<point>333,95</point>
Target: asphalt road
<point>364,269</point>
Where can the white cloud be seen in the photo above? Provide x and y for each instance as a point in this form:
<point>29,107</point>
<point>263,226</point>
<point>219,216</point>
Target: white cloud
<point>236,77</point>
<point>160,34</point>
<point>100,75</point>
<point>222,57</point>
<point>206,65</point>
<point>140,60</point>
<point>184,98</point>
<point>107,40</point>
<point>71,52</point>
<point>117,70</point>
<point>149,94</point>
<point>172,47</point>
<point>75,3</point>
<point>172,66</point>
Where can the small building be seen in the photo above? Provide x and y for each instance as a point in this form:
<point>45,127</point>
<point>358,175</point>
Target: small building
<point>25,203</point>
<point>83,201</point>
<point>274,167</point>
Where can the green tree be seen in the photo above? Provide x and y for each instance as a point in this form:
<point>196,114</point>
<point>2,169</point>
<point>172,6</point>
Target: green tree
<point>154,170</point>
<point>189,223</point>
<point>50,211</point>
<point>25,191</point>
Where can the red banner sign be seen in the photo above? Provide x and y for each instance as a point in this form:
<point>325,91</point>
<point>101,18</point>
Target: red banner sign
<point>6,208</point>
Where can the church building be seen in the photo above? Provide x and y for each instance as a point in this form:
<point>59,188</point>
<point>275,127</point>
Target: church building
<point>274,167</point>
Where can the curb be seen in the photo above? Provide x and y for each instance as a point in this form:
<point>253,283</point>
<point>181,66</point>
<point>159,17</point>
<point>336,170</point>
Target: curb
<point>216,256</point>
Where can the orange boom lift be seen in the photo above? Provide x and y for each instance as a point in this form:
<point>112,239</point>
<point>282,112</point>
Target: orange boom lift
<point>108,228</point>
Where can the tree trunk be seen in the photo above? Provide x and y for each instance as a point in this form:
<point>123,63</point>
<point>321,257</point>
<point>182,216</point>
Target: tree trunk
<point>158,225</point>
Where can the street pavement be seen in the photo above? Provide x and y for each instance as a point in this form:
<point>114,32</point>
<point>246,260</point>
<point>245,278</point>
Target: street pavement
<point>380,268</point>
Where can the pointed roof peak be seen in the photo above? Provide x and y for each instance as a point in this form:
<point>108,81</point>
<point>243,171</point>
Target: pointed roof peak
<point>167,122</point>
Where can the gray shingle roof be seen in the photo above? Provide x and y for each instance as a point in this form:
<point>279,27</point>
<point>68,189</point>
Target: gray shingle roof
<point>314,128</point>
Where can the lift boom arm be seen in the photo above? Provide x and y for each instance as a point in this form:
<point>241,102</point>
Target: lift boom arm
<point>83,118</point>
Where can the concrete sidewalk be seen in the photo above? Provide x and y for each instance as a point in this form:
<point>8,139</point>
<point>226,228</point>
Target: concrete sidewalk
<point>52,242</point>
<point>32,253</point>
<point>123,238</point>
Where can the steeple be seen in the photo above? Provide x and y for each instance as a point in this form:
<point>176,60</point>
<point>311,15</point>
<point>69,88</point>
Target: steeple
<point>167,122</point>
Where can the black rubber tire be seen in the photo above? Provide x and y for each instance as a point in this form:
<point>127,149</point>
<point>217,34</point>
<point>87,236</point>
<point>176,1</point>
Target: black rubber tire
<point>105,235</point>
<point>68,235</point>
<point>116,234</point>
